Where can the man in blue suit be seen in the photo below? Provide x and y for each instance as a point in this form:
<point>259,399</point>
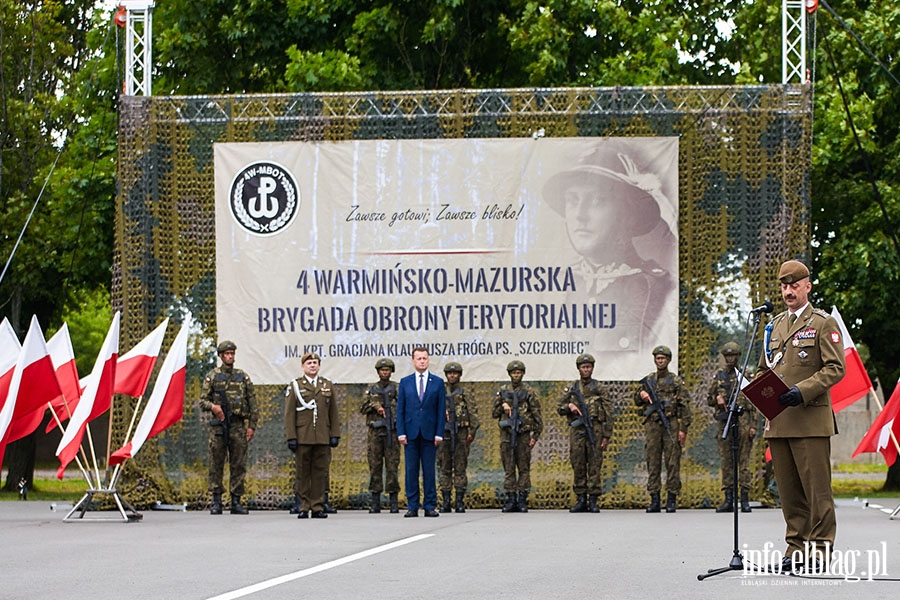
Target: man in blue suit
<point>421,413</point>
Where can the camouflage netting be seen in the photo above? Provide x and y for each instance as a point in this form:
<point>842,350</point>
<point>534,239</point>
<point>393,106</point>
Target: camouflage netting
<point>743,208</point>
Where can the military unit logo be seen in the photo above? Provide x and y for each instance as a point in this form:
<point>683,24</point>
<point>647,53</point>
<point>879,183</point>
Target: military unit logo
<point>264,198</point>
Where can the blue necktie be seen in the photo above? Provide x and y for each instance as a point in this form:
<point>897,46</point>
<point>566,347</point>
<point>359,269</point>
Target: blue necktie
<point>421,386</point>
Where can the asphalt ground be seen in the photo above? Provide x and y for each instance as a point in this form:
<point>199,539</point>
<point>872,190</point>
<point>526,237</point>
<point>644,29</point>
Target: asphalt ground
<point>270,555</point>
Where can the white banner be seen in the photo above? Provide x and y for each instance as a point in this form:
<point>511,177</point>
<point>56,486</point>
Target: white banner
<point>483,250</point>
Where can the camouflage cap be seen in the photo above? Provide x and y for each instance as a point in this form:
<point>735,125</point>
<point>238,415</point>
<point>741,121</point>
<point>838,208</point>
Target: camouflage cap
<point>225,346</point>
<point>584,358</point>
<point>310,356</point>
<point>453,367</point>
<point>792,271</point>
<point>515,365</point>
<point>664,350</point>
<point>730,349</point>
<point>384,363</point>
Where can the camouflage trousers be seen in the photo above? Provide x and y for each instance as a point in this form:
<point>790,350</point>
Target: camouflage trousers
<point>453,465</point>
<point>521,463</point>
<point>235,450</point>
<point>659,444</point>
<point>384,463</point>
<point>744,446</point>
<point>586,465</point>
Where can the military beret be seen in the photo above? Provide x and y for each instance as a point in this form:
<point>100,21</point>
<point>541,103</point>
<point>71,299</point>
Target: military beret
<point>310,356</point>
<point>792,271</point>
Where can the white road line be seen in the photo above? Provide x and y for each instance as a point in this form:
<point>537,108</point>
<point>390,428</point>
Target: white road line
<point>257,587</point>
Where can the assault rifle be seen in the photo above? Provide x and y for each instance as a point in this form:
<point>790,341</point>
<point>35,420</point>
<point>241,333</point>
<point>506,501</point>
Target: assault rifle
<point>657,406</point>
<point>225,405</point>
<point>585,416</point>
<point>513,422</point>
<point>388,421</point>
<point>452,422</point>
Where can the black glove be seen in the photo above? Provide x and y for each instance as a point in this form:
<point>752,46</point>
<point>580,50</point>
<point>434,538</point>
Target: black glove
<point>292,445</point>
<point>333,442</point>
<point>792,397</point>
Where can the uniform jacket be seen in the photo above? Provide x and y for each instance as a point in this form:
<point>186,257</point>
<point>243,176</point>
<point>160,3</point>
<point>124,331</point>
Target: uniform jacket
<point>809,355</point>
<point>529,410</point>
<point>426,418</point>
<point>723,383</point>
<point>464,407</point>
<point>598,404</point>
<point>237,388</point>
<point>375,397</point>
<point>671,392</point>
<point>311,426</point>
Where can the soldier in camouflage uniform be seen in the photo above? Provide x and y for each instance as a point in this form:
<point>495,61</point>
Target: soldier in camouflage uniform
<point>529,426</point>
<point>670,391</point>
<point>228,391</point>
<point>383,451</point>
<point>587,395</point>
<point>718,397</point>
<point>453,453</point>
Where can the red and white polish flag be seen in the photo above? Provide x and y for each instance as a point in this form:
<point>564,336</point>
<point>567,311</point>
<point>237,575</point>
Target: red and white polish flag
<point>63,357</point>
<point>95,400</point>
<point>166,404</point>
<point>878,437</point>
<point>32,386</point>
<point>134,368</point>
<point>9,354</point>
<point>856,383</point>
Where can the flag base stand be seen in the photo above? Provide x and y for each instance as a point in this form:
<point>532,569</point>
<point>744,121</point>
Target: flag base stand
<point>896,512</point>
<point>127,512</point>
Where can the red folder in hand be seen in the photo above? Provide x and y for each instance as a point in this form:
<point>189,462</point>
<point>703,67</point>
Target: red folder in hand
<point>764,391</point>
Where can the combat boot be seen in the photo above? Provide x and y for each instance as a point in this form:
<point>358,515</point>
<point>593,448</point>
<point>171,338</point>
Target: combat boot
<point>460,494</point>
<point>376,503</point>
<point>728,505</point>
<point>329,509</point>
<point>580,504</point>
<point>236,508</point>
<point>592,504</point>
<point>510,504</point>
<point>216,507</point>
<point>394,507</point>
<point>654,503</point>
<point>745,502</point>
<point>523,501</point>
<point>670,503</point>
<point>445,505</point>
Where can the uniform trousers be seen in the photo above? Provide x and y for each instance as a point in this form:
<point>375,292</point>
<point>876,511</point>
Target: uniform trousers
<point>236,449</point>
<point>659,444</point>
<point>311,475</point>
<point>521,462</point>
<point>803,473</point>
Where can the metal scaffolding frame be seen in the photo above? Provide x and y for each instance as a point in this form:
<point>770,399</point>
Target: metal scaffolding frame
<point>139,47</point>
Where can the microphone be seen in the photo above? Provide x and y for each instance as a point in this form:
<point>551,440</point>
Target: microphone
<point>765,308</point>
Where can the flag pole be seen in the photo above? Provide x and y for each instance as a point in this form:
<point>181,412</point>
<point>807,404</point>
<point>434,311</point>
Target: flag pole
<point>62,429</point>
<point>115,474</point>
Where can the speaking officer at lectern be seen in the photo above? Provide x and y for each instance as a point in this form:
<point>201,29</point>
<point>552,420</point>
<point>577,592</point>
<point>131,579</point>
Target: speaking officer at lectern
<point>421,415</point>
<point>803,347</point>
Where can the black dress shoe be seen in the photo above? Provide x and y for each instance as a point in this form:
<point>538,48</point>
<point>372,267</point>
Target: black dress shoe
<point>302,514</point>
<point>319,514</point>
<point>430,512</point>
<point>786,566</point>
<point>411,513</point>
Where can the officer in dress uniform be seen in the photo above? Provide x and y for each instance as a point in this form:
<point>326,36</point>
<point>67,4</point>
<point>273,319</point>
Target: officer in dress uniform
<point>803,346</point>
<point>519,398</point>
<point>587,394</point>
<point>228,394</point>
<point>453,453</point>
<point>379,405</point>
<point>719,395</point>
<point>670,392</point>
<point>312,428</point>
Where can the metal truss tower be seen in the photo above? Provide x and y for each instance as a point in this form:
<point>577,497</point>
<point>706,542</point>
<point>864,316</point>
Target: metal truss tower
<point>793,39</point>
<point>139,46</point>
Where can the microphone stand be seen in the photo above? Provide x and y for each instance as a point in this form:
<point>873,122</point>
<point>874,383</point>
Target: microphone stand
<point>732,429</point>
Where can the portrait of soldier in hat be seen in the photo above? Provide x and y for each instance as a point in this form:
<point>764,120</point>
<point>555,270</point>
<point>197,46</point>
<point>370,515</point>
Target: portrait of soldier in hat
<point>620,214</point>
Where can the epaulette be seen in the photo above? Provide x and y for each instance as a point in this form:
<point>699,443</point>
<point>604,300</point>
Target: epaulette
<point>821,313</point>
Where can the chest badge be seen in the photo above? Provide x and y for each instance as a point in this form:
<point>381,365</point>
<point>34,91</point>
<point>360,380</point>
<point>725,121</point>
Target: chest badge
<point>802,354</point>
